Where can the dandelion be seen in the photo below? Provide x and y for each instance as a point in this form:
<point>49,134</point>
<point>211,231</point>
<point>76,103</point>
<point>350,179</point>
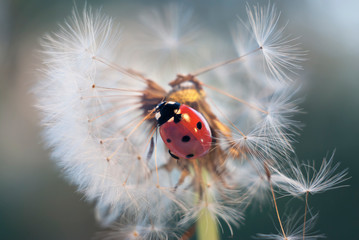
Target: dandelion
<point>99,115</point>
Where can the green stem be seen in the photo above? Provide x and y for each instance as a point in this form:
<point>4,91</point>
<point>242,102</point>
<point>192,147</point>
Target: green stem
<point>207,228</point>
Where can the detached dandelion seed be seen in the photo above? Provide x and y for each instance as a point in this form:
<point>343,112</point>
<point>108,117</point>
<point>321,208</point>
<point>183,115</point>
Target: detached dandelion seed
<point>162,156</point>
<point>301,178</point>
<point>294,230</point>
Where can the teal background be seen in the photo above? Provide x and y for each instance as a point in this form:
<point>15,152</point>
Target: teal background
<point>37,203</point>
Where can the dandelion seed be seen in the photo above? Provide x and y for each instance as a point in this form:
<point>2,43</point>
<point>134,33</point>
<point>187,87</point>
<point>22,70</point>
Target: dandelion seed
<point>282,56</point>
<point>294,230</point>
<point>299,178</point>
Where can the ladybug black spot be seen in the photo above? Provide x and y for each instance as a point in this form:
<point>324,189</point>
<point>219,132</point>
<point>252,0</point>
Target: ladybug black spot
<point>168,140</point>
<point>189,155</point>
<point>199,125</point>
<point>186,138</point>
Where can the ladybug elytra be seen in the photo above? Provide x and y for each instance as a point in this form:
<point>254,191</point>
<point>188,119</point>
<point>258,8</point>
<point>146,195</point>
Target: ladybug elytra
<point>184,131</point>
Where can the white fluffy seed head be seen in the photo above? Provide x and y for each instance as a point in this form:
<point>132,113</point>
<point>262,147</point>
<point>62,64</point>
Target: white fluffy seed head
<point>95,123</point>
<point>89,110</point>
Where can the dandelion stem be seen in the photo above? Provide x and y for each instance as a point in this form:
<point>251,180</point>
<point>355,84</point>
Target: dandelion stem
<point>305,213</point>
<point>206,225</point>
<point>217,65</point>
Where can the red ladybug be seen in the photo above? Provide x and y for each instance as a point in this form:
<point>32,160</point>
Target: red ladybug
<point>185,131</point>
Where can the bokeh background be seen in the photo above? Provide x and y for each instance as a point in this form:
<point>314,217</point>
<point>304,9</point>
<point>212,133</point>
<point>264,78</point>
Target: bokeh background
<point>37,203</point>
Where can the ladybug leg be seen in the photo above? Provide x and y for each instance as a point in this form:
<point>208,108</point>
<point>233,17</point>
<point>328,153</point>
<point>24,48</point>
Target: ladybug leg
<point>151,149</point>
<point>172,155</point>
<point>185,172</point>
<point>180,164</point>
<point>171,164</point>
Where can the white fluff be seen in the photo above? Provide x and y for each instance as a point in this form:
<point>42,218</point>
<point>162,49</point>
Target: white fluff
<point>92,118</point>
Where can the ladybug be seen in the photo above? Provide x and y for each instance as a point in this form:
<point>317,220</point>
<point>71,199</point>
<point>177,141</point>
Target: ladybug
<point>184,131</point>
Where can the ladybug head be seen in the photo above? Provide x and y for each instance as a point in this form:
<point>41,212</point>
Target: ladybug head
<point>165,111</point>
<point>160,105</point>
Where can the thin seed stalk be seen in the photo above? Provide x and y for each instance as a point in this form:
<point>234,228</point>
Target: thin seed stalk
<point>305,213</point>
<point>207,228</point>
<point>276,209</point>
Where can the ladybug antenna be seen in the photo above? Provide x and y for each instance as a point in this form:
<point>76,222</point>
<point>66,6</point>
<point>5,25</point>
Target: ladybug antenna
<point>163,99</point>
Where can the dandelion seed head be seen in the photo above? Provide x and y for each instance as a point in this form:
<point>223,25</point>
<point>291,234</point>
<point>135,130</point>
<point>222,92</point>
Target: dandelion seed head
<point>98,112</point>
<point>93,124</point>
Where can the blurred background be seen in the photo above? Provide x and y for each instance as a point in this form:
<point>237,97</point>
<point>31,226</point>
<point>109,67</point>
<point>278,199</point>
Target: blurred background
<point>37,203</point>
